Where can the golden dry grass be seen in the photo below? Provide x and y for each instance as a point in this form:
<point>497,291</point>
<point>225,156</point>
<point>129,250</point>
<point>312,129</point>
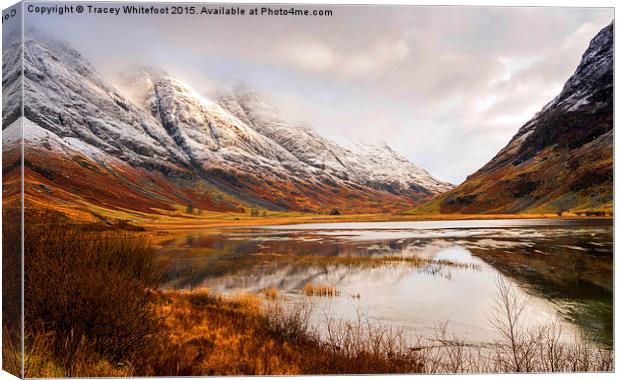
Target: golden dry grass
<point>370,261</point>
<point>321,291</point>
<point>270,293</point>
<point>209,335</point>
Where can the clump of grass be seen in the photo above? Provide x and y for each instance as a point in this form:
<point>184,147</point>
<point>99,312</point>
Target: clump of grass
<point>270,293</point>
<point>319,290</point>
<point>41,359</point>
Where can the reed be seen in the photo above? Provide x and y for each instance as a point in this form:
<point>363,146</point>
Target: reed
<point>319,290</point>
<point>270,293</point>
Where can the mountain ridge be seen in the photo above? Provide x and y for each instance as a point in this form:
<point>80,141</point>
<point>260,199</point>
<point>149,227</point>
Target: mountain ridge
<point>184,149</point>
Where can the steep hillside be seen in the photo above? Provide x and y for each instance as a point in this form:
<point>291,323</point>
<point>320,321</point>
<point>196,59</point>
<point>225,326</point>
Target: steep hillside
<point>560,160</point>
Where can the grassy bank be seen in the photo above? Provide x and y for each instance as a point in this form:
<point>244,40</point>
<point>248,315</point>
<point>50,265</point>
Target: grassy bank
<point>199,334</point>
<point>208,335</point>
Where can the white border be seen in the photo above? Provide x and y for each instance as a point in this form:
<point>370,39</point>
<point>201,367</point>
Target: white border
<point>563,3</point>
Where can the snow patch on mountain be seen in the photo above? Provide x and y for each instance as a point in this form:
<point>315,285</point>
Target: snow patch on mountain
<point>37,137</point>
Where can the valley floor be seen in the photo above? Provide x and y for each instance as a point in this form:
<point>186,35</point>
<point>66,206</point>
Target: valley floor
<point>182,224</point>
<point>190,222</point>
<point>178,218</point>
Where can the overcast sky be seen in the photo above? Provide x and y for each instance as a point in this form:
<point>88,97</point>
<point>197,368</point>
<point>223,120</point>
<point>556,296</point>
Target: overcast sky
<point>447,87</point>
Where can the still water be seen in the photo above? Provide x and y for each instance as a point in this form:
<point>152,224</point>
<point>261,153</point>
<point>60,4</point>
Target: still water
<point>413,275</point>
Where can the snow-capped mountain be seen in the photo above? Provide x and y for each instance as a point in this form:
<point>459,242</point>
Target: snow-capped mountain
<point>158,144</point>
<point>376,166</point>
<point>560,160</point>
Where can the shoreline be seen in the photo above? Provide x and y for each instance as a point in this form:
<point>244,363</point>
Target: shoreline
<point>187,224</point>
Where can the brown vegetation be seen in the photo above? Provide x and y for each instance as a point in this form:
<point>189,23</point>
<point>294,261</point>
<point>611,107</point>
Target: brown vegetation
<point>86,292</point>
<point>321,291</point>
<point>270,293</point>
<point>207,335</point>
<point>11,291</point>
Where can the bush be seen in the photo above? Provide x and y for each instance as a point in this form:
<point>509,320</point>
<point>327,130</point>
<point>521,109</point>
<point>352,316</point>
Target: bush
<point>88,287</point>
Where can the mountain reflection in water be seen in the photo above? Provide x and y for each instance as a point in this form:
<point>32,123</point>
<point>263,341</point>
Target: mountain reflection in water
<point>413,275</point>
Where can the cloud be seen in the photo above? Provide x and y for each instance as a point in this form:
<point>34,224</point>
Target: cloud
<point>316,56</point>
<point>310,55</point>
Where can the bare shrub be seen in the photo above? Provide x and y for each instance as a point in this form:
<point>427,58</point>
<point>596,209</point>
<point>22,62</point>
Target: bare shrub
<point>515,350</point>
<point>377,348</point>
<point>518,348</point>
<point>291,324</point>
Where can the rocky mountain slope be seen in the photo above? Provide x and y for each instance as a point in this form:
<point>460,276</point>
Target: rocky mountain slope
<point>160,145</point>
<point>560,160</point>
